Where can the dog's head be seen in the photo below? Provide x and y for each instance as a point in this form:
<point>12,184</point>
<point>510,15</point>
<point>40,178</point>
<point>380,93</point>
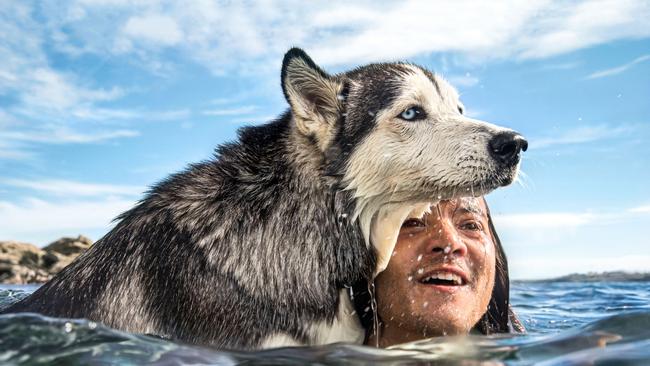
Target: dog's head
<point>396,135</point>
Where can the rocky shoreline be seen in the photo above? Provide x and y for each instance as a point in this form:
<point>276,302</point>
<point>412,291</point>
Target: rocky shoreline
<point>24,263</point>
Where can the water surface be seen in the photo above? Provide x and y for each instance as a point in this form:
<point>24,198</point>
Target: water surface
<point>568,323</point>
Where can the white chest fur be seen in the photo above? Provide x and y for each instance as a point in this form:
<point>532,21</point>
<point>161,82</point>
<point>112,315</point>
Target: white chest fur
<point>344,328</point>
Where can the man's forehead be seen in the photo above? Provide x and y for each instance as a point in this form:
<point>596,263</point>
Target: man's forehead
<point>471,204</point>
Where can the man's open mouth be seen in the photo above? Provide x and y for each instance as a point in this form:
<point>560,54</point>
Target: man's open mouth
<point>443,278</point>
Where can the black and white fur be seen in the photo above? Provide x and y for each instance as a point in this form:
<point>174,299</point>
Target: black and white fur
<point>254,248</point>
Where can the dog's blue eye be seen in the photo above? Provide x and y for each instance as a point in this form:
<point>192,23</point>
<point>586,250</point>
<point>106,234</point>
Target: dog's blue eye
<point>412,114</point>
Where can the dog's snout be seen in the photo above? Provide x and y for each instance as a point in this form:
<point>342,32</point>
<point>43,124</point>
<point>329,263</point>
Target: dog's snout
<point>505,147</point>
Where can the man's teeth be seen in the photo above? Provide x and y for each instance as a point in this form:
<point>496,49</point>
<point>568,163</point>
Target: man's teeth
<point>447,276</point>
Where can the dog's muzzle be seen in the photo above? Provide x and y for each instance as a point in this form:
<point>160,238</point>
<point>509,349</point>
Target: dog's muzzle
<point>506,147</point>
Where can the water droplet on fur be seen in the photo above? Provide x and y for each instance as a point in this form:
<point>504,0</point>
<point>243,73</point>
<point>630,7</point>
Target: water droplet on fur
<point>395,252</point>
<point>410,278</point>
<point>420,271</point>
<point>92,325</point>
<point>426,303</point>
<point>447,249</point>
<point>67,327</point>
<point>340,97</point>
<point>419,257</point>
<point>371,114</point>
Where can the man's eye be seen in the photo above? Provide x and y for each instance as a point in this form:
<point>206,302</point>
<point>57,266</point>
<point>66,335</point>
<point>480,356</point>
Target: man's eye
<point>471,225</point>
<point>413,223</point>
<point>412,114</point>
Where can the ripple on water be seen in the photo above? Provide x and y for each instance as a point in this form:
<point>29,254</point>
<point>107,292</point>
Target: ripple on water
<point>568,323</point>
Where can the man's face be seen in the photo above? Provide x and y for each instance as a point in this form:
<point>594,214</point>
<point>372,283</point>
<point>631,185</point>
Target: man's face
<point>440,278</point>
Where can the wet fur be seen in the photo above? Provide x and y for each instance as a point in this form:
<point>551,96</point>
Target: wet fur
<point>252,248</point>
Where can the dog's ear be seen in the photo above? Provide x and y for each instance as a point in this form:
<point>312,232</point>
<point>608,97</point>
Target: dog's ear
<point>312,94</point>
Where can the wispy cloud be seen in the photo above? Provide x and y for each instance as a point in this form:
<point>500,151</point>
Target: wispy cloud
<point>467,80</point>
<point>70,189</point>
<point>230,111</point>
<point>546,220</point>
<point>561,27</point>
<point>38,220</point>
<point>254,119</point>
<point>154,28</point>
<point>579,135</point>
<point>226,36</point>
<point>561,66</point>
<point>537,268</point>
<point>640,209</point>
<point>63,135</point>
<point>618,69</point>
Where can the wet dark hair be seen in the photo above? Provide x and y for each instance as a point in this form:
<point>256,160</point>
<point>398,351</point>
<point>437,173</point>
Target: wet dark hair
<point>499,317</point>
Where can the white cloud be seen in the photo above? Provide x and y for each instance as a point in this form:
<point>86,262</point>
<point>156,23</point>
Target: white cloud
<point>63,135</point>
<point>49,89</point>
<point>544,220</point>
<point>68,188</point>
<point>225,36</point>
<point>561,66</point>
<point>34,218</point>
<point>563,27</point>
<point>537,268</point>
<point>580,135</point>
<point>10,152</point>
<point>551,244</point>
<point>254,119</point>
<point>230,111</point>
<point>466,80</point>
<point>640,209</point>
<point>618,69</point>
<point>155,28</point>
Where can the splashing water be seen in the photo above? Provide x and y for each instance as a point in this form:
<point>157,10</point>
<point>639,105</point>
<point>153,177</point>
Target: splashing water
<point>375,316</point>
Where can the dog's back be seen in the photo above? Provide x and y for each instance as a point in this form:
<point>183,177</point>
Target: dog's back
<point>206,257</point>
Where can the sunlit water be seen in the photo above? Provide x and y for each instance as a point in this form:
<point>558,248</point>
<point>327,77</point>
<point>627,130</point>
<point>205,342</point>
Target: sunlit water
<point>568,324</point>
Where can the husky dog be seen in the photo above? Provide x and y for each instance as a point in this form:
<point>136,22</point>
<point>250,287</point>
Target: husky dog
<point>256,247</point>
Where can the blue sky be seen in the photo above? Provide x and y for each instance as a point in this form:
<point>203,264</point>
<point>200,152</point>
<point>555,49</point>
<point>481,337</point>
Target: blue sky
<point>101,98</point>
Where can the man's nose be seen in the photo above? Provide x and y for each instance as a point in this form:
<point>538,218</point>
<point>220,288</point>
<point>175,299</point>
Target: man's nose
<point>444,240</point>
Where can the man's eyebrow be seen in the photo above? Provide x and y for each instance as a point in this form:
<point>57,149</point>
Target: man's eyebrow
<point>471,208</point>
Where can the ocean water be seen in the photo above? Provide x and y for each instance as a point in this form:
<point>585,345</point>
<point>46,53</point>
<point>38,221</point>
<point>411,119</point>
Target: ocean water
<point>568,323</point>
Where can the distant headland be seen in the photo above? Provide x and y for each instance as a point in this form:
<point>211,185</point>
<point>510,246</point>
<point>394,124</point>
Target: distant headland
<point>611,276</point>
<point>24,263</point>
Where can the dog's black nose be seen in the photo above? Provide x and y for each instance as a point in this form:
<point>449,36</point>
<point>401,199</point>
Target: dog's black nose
<point>505,147</point>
